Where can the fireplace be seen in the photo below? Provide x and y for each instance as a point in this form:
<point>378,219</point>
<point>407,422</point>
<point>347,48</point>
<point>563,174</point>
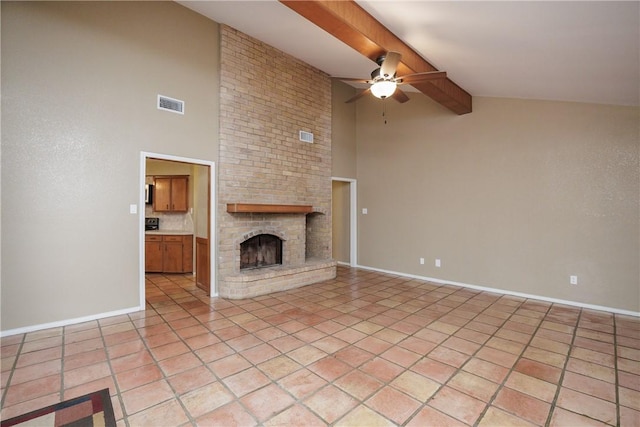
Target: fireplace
<point>271,251</point>
<point>263,250</point>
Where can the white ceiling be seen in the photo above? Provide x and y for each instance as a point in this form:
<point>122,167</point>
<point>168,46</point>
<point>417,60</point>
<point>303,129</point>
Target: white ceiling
<point>584,51</point>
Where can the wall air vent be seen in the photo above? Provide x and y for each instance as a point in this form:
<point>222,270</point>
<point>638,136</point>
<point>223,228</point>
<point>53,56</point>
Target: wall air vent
<point>306,137</point>
<point>169,104</point>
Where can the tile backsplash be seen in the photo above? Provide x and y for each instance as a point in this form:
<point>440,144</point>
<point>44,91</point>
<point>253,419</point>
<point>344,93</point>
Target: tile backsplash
<point>171,221</point>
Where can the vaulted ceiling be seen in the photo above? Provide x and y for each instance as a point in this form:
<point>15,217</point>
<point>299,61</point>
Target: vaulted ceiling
<point>581,51</point>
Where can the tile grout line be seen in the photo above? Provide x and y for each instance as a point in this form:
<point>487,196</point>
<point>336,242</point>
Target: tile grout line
<point>157,361</point>
<point>442,314</point>
<point>564,370</point>
<point>331,383</point>
<point>512,369</point>
<point>458,369</point>
<point>13,370</point>
<point>206,365</point>
<point>113,374</point>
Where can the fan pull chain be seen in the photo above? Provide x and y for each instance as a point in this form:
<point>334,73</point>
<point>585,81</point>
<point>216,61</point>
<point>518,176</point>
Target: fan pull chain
<point>384,117</point>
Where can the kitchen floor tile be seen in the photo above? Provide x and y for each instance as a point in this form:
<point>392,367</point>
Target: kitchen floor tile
<point>522,405</point>
<point>246,381</point>
<point>232,414</point>
<point>266,402</point>
<point>587,405</point>
<point>358,384</point>
<point>495,417</point>
<point>429,416</point>
<point>330,403</point>
<point>302,383</point>
<point>415,385</point>
<point>457,405</point>
<point>394,405</point>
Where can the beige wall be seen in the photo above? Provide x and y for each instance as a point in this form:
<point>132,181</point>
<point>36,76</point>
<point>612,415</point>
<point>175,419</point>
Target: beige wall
<point>343,131</point>
<point>517,195</point>
<point>344,162</point>
<point>79,88</point>
<point>202,181</point>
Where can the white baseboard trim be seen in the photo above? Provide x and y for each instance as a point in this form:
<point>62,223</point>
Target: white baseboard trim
<point>68,322</point>
<point>344,264</point>
<point>506,292</point>
<point>364,267</point>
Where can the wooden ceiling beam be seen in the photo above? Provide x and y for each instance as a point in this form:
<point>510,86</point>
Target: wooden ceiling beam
<point>351,24</point>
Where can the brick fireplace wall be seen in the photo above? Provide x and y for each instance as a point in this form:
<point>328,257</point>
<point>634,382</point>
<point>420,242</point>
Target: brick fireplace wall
<point>266,98</point>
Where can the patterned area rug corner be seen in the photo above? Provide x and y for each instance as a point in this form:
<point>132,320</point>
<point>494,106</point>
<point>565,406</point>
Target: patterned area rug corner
<point>93,409</point>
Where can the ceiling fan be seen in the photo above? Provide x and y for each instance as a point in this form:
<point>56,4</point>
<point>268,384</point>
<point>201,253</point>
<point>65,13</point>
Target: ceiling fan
<point>384,82</point>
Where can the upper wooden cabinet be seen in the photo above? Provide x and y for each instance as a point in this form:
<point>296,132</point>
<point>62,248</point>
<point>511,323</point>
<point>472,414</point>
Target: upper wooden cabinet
<point>171,193</point>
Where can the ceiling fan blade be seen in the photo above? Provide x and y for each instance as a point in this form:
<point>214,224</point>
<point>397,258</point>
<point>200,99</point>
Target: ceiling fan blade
<point>390,64</point>
<point>358,95</point>
<point>350,79</point>
<point>400,96</point>
<point>421,77</point>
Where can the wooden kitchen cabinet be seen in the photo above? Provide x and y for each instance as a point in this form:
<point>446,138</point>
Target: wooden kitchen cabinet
<point>172,256</point>
<point>171,194</point>
<point>168,253</point>
<point>153,254</point>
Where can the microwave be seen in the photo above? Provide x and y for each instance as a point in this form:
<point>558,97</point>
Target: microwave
<point>148,193</point>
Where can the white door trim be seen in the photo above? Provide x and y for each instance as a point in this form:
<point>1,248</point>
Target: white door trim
<point>353,219</point>
<point>144,155</point>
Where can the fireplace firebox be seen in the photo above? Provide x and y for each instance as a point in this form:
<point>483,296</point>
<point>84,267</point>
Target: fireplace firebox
<point>263,250</point>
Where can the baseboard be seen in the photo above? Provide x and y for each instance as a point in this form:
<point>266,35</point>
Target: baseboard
<point>364,267</point>
<point>68,322</point>
<point>506,292</point>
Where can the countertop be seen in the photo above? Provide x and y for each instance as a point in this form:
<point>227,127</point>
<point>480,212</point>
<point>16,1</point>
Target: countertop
<point>169,232</point>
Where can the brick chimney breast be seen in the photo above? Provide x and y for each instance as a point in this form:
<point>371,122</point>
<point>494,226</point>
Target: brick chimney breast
<point>266,98</point>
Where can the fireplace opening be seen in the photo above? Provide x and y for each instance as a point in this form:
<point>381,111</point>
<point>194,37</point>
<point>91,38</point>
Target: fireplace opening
<point>263,250</point>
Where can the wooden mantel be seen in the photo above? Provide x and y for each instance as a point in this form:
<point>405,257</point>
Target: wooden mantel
<point>276,209</point>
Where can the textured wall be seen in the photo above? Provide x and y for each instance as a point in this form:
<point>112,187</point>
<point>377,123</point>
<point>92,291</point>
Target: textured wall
<point>517,195</point>
<point>79,88</point>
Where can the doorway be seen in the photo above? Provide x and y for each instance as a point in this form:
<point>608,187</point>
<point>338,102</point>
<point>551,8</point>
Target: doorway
<point>344,221</point>
<point>201,212</point>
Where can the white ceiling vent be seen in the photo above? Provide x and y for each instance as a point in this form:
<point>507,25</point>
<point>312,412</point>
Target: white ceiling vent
<point>306,137</point>
<point>170,104</point>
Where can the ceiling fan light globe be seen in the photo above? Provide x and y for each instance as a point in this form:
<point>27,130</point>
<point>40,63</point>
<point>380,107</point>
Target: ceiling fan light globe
<point>383,89</point>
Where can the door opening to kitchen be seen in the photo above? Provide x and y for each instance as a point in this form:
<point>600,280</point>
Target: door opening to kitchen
<point>178,216</point>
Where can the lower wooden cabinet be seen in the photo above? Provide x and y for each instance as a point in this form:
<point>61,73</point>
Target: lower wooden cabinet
<point>153,253</point>
<point>168,253</point>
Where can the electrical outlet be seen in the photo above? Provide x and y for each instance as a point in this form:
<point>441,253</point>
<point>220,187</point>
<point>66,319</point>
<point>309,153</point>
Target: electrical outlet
<point>365,211</point>
<point>422,261</point>
<point>438,262</point>
<point>573,280</point>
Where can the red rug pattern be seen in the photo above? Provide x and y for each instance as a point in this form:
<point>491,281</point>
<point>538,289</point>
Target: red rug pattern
<point>93,409</point>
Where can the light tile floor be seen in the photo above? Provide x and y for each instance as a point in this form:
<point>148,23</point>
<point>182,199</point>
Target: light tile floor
<point>365,349</point>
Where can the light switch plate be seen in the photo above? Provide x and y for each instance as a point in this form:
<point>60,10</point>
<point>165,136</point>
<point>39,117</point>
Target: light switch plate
<point>133,209</point>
